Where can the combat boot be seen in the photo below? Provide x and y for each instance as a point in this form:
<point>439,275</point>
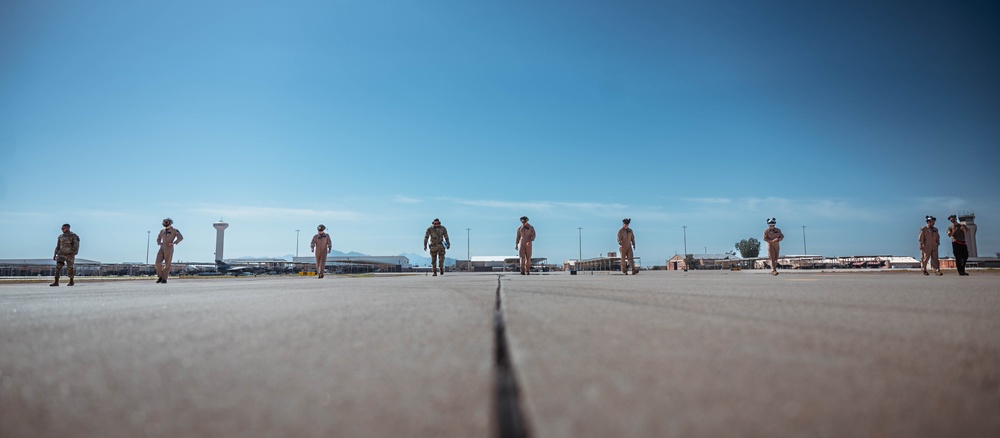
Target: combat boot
<point>70,282</point>
<point>55,283</point>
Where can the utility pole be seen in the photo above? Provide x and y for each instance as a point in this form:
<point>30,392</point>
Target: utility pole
<point>580,257</point>
<point>804,252</point>
<point>468,249</point>
<point>685,248</point>
<point>147,247</point>
<point>296,243</point>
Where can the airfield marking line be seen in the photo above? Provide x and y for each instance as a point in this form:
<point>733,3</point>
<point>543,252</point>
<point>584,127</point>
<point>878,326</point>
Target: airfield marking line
<point>510,418</point>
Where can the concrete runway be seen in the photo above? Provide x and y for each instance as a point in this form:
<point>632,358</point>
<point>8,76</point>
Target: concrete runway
<point>658,354</point>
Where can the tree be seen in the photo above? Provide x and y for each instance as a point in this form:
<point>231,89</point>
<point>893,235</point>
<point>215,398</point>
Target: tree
<point>689,262</point>
<point>749,248</point>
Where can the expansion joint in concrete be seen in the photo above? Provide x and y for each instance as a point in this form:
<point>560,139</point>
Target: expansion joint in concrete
<point>510,418</point>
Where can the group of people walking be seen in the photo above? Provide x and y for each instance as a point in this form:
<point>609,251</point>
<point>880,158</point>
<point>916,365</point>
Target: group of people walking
<point>930,240</point>
<point>524,240</point>
<point>68,246</point>
<point>437,241</point>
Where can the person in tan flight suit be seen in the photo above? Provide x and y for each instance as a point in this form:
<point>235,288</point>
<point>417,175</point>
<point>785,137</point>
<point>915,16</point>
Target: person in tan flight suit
<point>772,235</point>
<point>168,237</point>
<point>321,245</point>
<point>440,243</point>
<point>525,235</point>
<point>929,241</point>
<point>626,243</point>
<point>67,247</point>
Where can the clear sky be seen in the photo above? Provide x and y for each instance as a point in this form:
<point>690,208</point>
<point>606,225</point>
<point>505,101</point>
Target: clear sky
<point>851,118</point>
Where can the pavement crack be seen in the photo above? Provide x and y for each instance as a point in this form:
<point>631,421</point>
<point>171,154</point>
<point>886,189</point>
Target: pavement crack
<point>510,419</point>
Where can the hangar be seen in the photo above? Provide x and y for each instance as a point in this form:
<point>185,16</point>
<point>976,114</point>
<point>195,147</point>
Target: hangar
<point>44,267</point>
<point>358,264</point>
<point>498,264</point>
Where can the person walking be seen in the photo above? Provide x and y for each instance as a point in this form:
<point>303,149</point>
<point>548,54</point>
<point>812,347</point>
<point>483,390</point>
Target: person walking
<point>959,248</point>
<point>168,237</point>
<point>321,245</point>
<point>67,247</point>
<point>438,236</point>
<point>525,236</point>
<point>626,243</point>
<point>773,237</point>
<point>929,241</point>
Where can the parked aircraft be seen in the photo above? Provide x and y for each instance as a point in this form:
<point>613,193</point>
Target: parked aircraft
<point>222,268</point>
<point>226,268</point>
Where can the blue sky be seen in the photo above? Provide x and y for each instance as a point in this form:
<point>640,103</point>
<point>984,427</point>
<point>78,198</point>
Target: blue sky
<point>854,119</point>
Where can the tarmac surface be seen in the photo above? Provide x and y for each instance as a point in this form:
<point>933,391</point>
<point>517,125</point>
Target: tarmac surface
<point>658,354</point>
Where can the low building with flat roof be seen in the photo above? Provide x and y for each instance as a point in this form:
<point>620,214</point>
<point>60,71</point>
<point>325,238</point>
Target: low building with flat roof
<point>601,264</point>
<point>355,264</point>
<point>498,264</point>
<point>44,267</point>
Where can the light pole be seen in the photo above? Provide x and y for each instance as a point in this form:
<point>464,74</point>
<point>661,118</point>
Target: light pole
<point>296,243</point>
<point>468,249</point>
<point>581,244</point>
<point>147,247</point>
<point>804,252</point>
<point>685,240</point>
<point>685,247</point>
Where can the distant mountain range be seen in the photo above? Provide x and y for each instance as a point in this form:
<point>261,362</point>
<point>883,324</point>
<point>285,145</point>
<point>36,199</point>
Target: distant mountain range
<point>290,257</point>
<point>419,260</point>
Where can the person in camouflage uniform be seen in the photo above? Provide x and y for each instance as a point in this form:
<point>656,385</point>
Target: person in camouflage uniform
<point>438,236</point>
<point>67,247</point>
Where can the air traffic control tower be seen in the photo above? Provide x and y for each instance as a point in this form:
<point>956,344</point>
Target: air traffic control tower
<point>969,219</point>
<point>220,228</point>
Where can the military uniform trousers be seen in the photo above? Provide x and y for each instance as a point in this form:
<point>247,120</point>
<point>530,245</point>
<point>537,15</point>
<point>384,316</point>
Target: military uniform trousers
<point>163,258</point>
<point>525,255</point>
<point>772,253</point>
<point>627,259</point>
<point>931,255</point>
<point>320,260</point>
<point>437,257</point>
<point>66,259</point>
